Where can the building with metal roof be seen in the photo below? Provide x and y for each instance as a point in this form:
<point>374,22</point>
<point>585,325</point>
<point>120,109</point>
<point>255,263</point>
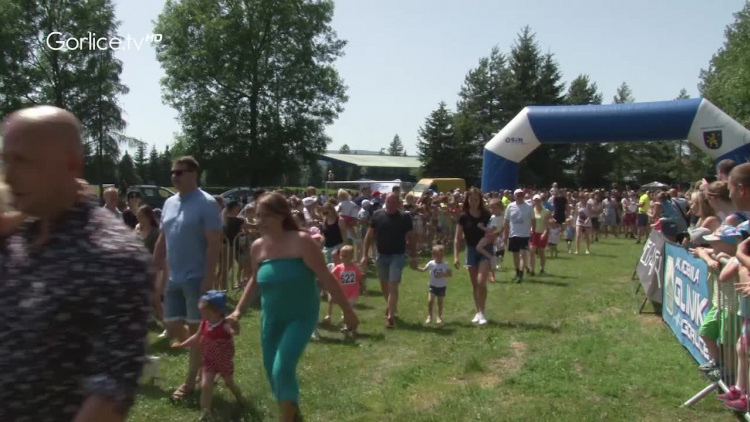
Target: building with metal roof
<point>381,161</point>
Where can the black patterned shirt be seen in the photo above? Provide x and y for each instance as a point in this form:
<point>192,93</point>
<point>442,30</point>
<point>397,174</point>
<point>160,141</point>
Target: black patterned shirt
<point>73,316</point>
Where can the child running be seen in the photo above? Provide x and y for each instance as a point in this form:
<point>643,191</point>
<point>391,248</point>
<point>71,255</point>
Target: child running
<point>570,234</point>
<point>440,271</point>
<point>215,337</point>
<point>493,229</point>
<point>497,262</point>
<point>554,237</point>
<point>349,276</point>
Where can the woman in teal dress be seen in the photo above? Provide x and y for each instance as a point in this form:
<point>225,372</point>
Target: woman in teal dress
<point>286,262</point>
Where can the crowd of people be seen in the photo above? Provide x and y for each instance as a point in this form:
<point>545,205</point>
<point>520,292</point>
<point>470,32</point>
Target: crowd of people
<point>83,314</point>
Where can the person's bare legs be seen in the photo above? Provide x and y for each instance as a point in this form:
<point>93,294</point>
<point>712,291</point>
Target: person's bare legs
<point>231,386</point>
<point>392,298</point>
<point>481,286</point>
<point>532,258</point>
<point>194,363</point>
<point>207,387</point>
<point>587,233</point>
<point>579,233</point>
<point>440,308</point>
<point>473,278</point>
<point>430,302</point>
<point>177,330</point>
<point>542,258</point>
<point>289,411</point>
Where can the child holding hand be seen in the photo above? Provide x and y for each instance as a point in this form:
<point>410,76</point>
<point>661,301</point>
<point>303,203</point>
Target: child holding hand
<point>215,337</point>
<point>440,271</point>
<point>350,277</point>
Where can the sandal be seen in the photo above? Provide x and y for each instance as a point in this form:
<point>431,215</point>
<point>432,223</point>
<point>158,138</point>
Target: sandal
<point>181,393</point>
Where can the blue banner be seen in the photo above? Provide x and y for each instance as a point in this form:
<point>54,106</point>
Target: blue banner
<point>686,298</point>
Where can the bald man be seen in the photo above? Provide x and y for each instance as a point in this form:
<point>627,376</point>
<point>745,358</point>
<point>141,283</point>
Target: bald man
<point>392,231</point>
<point>74,297</point>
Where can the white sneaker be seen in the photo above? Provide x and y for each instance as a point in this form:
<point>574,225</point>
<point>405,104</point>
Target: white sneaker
<point>428,320</point>
<point>476,318</point>
<point>482,319</point>
<point>163,335</point>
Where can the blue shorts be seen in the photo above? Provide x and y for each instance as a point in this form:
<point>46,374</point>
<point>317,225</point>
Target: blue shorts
<point>642,220</point>
<point>181,302</point>
<point>390,267</point>
<point>473,258</point>
<point>329,251</point>
<point>438,291</point>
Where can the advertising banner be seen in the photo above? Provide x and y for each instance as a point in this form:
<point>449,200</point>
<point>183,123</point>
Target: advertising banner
<point>649,269</point>
<point>686,298</point>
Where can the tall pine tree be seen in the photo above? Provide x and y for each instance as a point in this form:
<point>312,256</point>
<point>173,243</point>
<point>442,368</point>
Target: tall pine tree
<point>141,163</point>
<point>622,159</point>
<point>396,147</point>
<point>126,171</point>
<point>154,167</point>
<point>439,149</point>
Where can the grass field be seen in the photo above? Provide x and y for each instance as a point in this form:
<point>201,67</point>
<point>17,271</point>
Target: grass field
<point>567,346</point>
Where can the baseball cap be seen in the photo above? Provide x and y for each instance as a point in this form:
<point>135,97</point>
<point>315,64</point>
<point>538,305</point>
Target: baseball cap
<point>376,193</point>
<point>731,235</point>
<point>366,203</point>
<point>518,191</point>
<point>217,299</point>
<point>537,197</point>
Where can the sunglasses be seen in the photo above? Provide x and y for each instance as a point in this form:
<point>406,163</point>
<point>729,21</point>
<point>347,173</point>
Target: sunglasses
<point>178,173</point>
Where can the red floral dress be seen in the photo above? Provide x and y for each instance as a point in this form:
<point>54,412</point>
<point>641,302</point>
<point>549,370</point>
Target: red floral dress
<point>217,348</point>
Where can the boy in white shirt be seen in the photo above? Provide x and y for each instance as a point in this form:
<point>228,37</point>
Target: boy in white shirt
<point>493,229</point>
<point>440,271</point>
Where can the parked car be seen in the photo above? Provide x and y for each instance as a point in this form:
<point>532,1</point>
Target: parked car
<point>237,194</point>
<point>151,195</point>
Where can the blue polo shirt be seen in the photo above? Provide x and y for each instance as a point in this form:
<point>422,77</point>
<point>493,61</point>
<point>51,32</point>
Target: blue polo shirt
<point>185,219</point>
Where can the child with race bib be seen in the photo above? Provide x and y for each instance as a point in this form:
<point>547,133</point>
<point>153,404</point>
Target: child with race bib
<point>440,271</point>
<point>350,277</point>
<point>493,229</point>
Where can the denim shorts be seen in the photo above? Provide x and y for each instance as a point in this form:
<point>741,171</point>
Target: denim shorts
<point>438,291</point>
<point>473,258</point>
<point>329,251</point>
<point>390,267</point>
<point>181,302</point>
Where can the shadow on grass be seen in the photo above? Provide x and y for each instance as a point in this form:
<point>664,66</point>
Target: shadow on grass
<point>603,255</point>
<point>223,410</point>
<point>445,330</point>
<point>362,306</point>
<point>373,293</point>
<point>514,324</point>
<point>546,282</point>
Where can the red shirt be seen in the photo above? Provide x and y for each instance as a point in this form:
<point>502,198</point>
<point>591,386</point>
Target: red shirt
<point>350,277</point>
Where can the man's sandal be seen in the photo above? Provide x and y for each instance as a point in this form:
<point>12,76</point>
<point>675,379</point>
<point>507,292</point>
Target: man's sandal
<point>181,393</point>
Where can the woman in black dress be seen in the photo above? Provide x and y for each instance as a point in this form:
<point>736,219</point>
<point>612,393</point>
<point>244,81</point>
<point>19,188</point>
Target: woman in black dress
<point>474,214</point>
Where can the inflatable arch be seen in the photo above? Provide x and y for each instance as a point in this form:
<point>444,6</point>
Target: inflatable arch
<point>696,120</point>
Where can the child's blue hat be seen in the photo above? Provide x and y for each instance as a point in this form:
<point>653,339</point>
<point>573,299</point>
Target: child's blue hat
<point>217,299</point>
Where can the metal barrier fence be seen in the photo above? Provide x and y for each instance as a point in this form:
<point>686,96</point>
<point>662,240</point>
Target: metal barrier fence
<point>729,350</point>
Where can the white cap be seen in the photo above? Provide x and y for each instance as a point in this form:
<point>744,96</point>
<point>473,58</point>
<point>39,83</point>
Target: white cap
<point>537,197</point>
<point>308,201</point>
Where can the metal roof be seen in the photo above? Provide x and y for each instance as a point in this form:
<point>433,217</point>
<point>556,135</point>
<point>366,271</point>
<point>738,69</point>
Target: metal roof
<point>373,160</point>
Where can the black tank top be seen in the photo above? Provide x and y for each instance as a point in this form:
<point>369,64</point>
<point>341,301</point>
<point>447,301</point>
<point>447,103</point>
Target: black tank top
<point>332,233</point>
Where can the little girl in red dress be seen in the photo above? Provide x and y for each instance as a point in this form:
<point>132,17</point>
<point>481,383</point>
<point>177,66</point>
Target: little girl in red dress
<point>215,337</point>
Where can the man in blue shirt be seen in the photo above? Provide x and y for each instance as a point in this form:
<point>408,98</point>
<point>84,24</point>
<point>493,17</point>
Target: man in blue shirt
<point>189,245</point>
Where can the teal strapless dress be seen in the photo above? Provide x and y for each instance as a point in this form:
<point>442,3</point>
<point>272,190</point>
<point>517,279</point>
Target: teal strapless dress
<point>290,303</point>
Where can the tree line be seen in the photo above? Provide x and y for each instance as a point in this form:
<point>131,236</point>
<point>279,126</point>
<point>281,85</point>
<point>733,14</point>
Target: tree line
<point>450,143</point>
<point>255,84</point>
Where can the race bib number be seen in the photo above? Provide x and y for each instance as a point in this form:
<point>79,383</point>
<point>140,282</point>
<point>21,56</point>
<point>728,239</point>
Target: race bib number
<point>348,277</point>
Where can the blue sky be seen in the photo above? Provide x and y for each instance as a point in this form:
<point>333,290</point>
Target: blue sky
<point>405,56</point>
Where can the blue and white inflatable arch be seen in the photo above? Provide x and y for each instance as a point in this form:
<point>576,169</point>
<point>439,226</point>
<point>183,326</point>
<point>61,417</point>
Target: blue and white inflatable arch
<point>696,120</point>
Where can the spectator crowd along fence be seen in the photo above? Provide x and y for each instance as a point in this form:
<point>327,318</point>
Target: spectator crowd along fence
<point>701,306</point>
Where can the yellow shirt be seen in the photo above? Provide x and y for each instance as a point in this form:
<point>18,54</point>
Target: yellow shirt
<point>646,204</point>
<point>542,220</point>
<point>505,201</point>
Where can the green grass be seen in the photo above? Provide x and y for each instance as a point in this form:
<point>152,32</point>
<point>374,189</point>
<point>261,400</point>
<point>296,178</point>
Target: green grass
<point>567,346</point>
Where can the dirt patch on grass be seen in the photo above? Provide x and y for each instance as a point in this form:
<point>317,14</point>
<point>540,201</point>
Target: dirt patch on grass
<point>500,368</point>
<point>649,321</point>
<point>577,368</point>
<point>386,365</point>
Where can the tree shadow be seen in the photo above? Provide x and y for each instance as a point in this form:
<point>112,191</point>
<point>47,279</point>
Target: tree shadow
<point>342,341</point>
<point>561,277</point>
<point>602,255</point>
<point>362,306</point>
<point>224,410</point>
